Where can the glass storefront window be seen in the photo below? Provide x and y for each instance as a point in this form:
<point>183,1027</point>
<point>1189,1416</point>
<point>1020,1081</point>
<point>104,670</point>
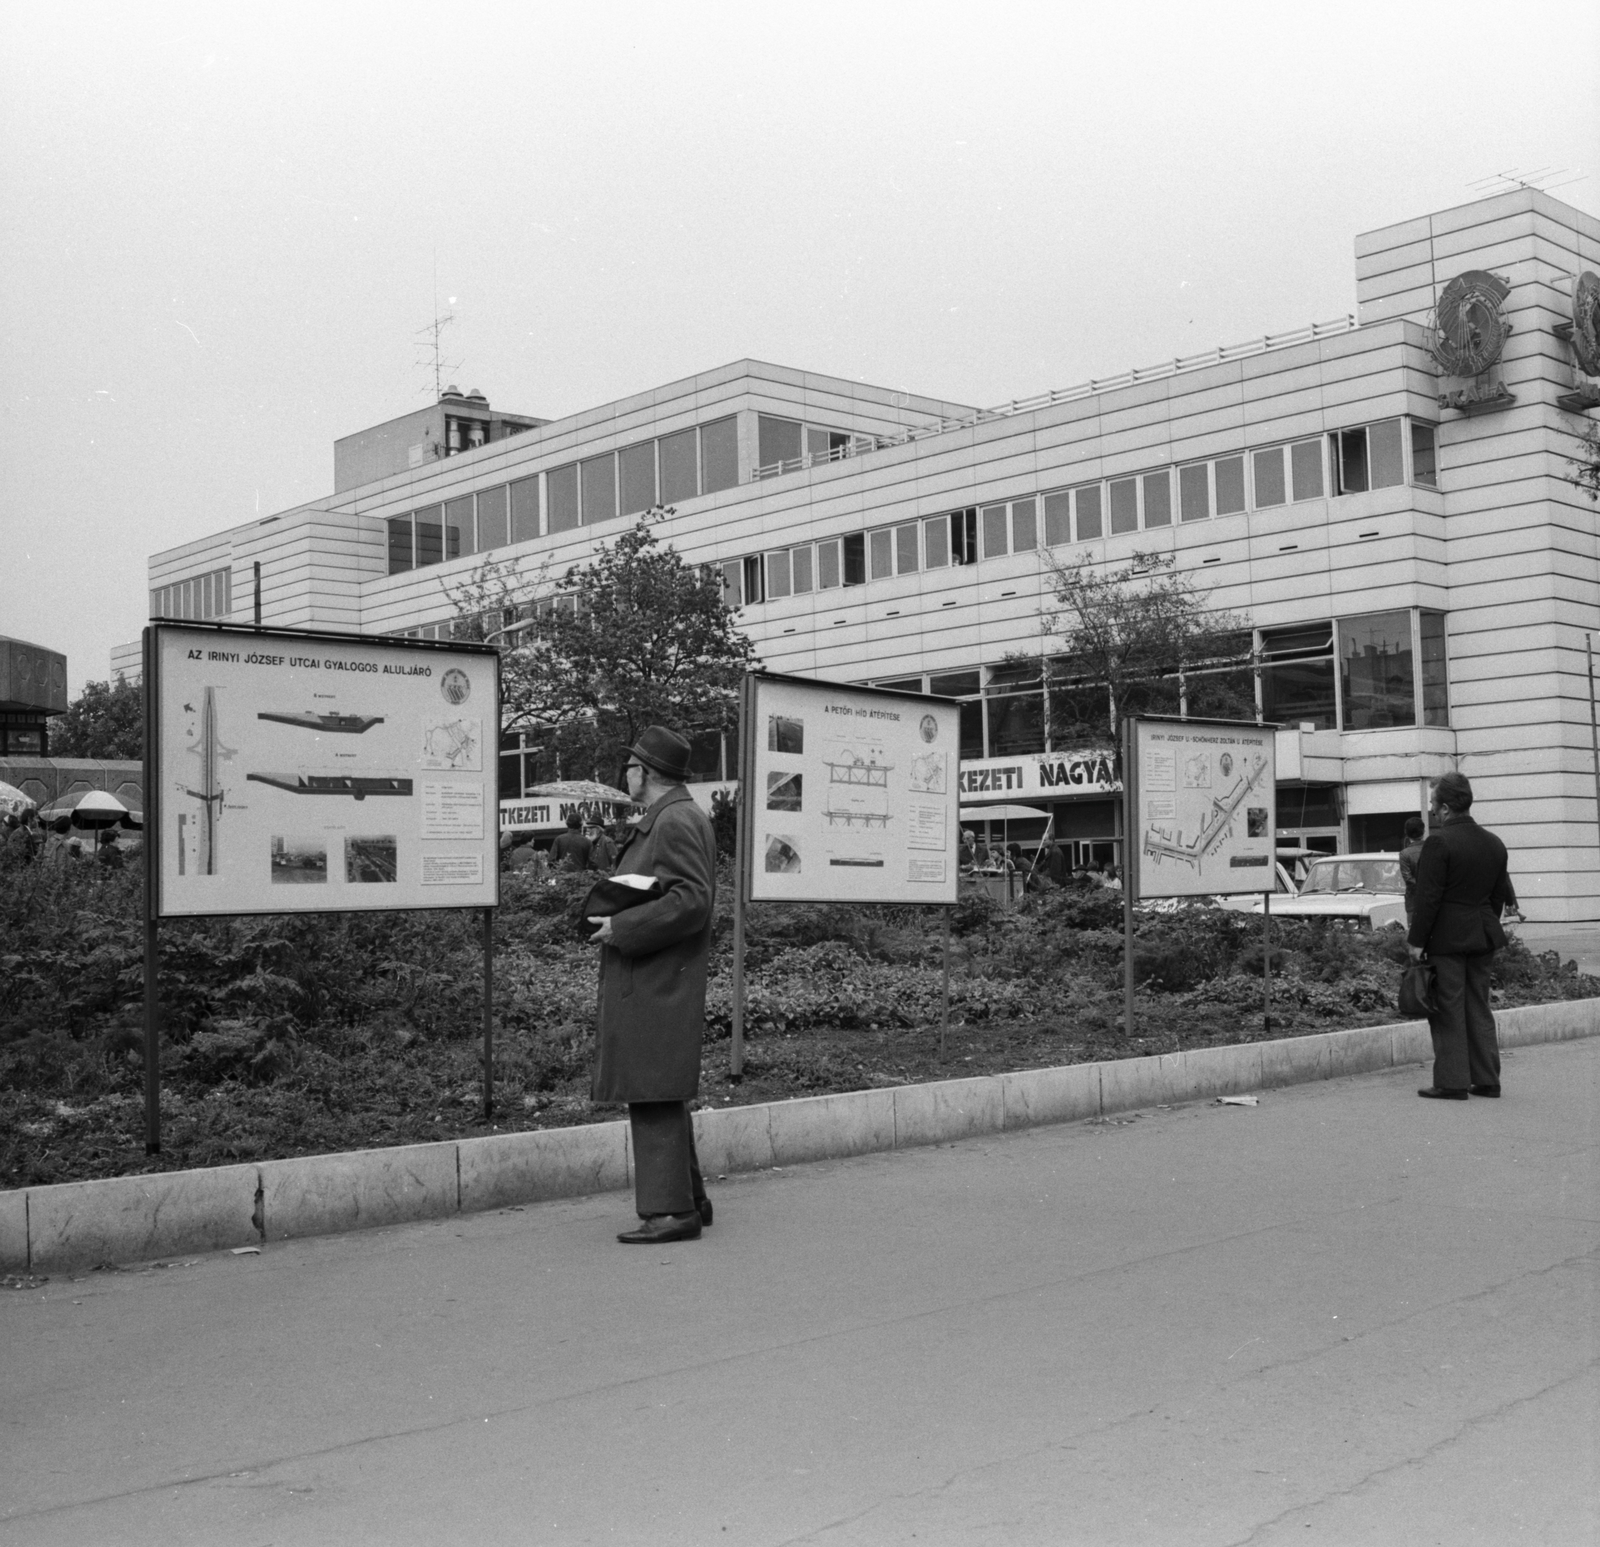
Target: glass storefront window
<point>430,536</point>
<point>1435,680</point>
<point>400,558</point>
<point>1297,677</point>
<point>1377,679</point>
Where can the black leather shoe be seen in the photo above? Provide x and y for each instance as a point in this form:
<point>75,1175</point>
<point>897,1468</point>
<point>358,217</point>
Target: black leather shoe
<point>661,1228</point>
<point>704,1205</point>
<point>1442,1095</point>
<point>1484,1090</point>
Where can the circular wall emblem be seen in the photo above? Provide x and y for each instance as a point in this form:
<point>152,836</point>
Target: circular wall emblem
<point>456,686</point>
<point>930,727</point>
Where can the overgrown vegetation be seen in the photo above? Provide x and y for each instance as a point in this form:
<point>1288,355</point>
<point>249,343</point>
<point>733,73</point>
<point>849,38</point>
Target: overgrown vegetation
<point>294,1035</point>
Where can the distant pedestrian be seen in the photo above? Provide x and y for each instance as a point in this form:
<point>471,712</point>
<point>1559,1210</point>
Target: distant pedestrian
<point>1053,862</point>
<point>1416,831</point>
<point>59,848</point>
<point>969,853</point>
<point>1462,887</point>
<point>570,851</point>
<point>602,851</point>
<point>22,841</point>
<point>108,852</point>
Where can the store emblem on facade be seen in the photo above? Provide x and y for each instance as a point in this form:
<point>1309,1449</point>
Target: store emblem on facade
<point>1583,334</point>
<point>1469,336</point>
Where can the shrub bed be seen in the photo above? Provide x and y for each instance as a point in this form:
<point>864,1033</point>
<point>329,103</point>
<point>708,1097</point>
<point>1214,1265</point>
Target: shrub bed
<point>295,1035</point>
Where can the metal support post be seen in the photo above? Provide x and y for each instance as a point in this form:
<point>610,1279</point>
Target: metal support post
<point>488,1013</point>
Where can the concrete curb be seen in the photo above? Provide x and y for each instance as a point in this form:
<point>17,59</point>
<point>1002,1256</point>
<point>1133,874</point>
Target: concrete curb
<point>133,1218</point>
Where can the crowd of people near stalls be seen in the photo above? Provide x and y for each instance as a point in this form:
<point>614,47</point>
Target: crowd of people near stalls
<point>1048,865</point>
<point>29,842</point>
<point>585,845</point>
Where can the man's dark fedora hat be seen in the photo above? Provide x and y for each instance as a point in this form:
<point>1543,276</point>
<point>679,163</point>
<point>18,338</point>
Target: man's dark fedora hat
<point>663,750</point>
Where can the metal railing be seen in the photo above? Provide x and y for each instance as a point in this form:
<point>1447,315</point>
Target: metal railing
<point>1177,366</point>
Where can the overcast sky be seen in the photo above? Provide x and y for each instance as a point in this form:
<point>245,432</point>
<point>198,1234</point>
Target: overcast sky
<point>221,223</point>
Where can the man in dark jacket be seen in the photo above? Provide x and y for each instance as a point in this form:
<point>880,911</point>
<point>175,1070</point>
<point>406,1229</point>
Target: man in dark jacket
<point>653,962</point>
<point>1462,887</point>
<point>571,849</point>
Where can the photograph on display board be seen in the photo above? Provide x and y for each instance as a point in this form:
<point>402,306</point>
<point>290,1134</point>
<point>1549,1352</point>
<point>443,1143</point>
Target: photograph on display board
<point>296,861</point>
<point>294,768</point>
<point>785,734</point>
<point>783,855</point>
<point>372,859</point>
<point>783,791</point>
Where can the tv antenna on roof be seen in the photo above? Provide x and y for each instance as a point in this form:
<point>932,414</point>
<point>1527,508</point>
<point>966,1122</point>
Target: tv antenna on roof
<point>1540,179</point>
<point>430,341</point>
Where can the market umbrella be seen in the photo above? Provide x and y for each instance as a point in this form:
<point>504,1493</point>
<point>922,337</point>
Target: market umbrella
<point>92,808</point>
<point>13,800</point>
<point>1000,813</point>
<point>1004,814</point>
<point>579,789</point>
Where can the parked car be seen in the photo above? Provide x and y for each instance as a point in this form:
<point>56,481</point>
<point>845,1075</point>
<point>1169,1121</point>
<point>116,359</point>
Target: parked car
<point>1363,888</point>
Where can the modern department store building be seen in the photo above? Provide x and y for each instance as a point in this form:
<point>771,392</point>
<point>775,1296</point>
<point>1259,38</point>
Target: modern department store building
<point>1407,545</point>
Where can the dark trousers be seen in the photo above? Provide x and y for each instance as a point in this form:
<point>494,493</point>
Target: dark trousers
<point>666,1170</point>
<point>1464,1048</point>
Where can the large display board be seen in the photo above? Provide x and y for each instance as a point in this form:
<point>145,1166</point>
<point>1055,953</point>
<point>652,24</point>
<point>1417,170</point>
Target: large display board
<point>306,773</point>
<point>852,793</point>
<point>1202,803</point>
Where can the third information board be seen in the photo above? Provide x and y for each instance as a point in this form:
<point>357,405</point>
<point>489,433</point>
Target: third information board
<point>1203,815</point>
<point>853,792</point>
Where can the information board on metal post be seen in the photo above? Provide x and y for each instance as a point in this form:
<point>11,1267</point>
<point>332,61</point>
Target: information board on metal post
<point>303,773</point>
<point>290,771</point>
<point>1204,813</point>
<point>848,795</point>
<point>853,794</point>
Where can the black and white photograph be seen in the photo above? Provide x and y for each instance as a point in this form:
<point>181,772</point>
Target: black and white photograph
<point>784,791</point>
<point>299,861</point>
<point>800,777</point>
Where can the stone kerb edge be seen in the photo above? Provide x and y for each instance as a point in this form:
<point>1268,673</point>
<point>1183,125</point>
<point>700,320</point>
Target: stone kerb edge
<point>77,1224</point>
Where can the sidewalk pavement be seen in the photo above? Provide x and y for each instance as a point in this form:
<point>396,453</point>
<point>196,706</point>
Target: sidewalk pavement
<point>1574,942</point>
<point>1344,1316</point>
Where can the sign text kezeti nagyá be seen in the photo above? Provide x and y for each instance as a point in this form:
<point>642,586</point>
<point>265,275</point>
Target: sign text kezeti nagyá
<point>301,773</point>
<point>853,794</point>
<point>1203,817</point>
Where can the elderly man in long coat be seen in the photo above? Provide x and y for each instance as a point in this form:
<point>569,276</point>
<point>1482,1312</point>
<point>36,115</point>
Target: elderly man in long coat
<point>653,961</point>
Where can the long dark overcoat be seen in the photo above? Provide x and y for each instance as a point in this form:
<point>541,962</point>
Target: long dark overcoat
<point>653,974</point>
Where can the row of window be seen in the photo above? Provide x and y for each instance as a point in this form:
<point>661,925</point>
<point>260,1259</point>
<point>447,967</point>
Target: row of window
<point>525,763</point>
<point>1366,457</point>
<point>199,597</point>
<point>785,445</point>
<point>1369,672</point>
<point>666,470</point>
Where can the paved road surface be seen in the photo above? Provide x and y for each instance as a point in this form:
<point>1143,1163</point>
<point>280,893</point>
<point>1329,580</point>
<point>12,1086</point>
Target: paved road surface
<point>1346,1316</point>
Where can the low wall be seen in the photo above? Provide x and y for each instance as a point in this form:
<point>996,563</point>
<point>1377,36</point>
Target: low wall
<point>135,1218</point>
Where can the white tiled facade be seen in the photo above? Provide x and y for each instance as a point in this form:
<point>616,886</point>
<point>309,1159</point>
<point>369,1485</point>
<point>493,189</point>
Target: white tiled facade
<point>1496,541</point>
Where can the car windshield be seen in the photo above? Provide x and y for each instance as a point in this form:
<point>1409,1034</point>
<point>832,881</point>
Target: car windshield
<point>1354,875</point>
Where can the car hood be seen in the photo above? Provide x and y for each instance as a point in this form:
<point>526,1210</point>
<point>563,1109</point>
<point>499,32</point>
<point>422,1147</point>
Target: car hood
<point>1345,905</point>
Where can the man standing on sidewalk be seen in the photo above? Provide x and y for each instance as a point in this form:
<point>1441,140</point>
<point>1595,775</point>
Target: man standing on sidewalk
<point>653,962</point>
<point>1462,887</point>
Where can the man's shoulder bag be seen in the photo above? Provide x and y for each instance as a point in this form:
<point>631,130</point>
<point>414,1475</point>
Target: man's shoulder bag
<point>1419,996</point>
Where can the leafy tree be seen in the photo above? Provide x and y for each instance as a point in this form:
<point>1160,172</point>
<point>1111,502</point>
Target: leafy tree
<point>1586,465</point>
<point>1139,640</point>
<point>105,720</point>
<point>632,639</point>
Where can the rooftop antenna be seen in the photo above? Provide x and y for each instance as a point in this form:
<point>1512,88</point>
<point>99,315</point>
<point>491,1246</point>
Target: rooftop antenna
<point>430,341</point>
<point>1541,179</point>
